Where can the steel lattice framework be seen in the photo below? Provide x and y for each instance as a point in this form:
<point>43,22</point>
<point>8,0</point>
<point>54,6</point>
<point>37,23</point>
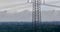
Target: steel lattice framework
<point>36,14</point>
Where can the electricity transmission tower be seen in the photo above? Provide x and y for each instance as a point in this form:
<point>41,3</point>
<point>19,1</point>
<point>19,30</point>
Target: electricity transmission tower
<point>36,14</point>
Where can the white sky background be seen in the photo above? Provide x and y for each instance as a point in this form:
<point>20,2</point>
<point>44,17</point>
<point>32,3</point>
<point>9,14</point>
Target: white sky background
<point>9,5</point>
<point>51,13</point>
<point>51,2</point>
<point>13,6</point>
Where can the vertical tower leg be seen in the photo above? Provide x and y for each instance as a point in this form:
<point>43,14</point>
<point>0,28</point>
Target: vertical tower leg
<point>36,15</point>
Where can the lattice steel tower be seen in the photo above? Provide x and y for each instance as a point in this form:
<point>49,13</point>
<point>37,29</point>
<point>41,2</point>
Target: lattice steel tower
<point>36,14</point>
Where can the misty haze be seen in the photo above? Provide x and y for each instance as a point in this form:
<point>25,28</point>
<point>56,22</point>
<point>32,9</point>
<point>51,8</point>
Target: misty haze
<point>29,16</point>
<point>21,10</point>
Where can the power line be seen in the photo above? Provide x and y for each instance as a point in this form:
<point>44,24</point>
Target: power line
<point>54,2</point>
<point>50,5</point>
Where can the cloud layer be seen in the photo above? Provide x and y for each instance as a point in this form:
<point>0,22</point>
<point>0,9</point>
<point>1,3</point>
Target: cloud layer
<point>21,16</point>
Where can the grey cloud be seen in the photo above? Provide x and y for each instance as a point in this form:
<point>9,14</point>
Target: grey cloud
<point>50,15</point>
<point>21,16</point>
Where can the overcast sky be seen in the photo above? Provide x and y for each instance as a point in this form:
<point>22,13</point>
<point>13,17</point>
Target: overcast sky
<point>13,6</point>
